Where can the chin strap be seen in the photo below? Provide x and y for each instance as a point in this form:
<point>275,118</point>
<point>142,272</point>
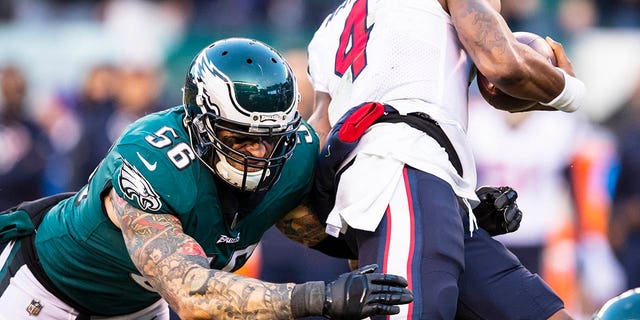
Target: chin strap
<point>235,176</point>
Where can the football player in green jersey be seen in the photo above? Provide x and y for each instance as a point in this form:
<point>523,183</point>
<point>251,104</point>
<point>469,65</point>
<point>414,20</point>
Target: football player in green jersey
<point>181,200</point>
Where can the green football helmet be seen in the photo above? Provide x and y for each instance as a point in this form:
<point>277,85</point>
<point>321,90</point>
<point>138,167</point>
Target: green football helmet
<point>625,306</point>
<point>246,87</point>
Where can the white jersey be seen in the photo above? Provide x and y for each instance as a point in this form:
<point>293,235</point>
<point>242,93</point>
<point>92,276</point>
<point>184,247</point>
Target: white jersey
<point>411,51</point>
<point>405,54</point>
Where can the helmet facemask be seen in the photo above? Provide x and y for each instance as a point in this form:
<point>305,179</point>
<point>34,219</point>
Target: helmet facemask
<point>258,173</point>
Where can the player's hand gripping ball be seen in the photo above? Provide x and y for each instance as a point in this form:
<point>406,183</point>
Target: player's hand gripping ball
<point>503,101</point>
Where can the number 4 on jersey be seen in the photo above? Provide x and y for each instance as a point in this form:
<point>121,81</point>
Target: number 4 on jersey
<point>356,33</point>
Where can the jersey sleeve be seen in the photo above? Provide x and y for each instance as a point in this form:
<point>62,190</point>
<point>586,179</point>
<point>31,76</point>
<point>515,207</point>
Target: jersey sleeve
<point>304,159</point>
<point>150,178</point>
<point>319,64</point>
<point>297,176</point>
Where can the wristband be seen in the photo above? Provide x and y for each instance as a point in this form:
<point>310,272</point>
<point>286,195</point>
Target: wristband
<point>571,97</point>
<point>307,299</point>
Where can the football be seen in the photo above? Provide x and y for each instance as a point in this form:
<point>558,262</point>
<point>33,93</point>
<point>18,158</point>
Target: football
<point>501,100</point>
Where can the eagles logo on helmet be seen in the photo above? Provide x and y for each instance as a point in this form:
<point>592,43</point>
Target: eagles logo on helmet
<point>246,87</point>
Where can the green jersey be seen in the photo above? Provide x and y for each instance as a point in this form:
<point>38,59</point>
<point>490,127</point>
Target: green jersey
<point>154,168</point>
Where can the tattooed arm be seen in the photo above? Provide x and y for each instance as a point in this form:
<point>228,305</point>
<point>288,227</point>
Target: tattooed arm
<point>513,67</point>
<point>176,266</point>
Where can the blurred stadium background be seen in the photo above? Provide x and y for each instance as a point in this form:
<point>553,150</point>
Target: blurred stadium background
<point>76,72</point>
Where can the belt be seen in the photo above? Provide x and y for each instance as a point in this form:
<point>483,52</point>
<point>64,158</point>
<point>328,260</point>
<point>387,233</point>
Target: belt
<point>428,125</point>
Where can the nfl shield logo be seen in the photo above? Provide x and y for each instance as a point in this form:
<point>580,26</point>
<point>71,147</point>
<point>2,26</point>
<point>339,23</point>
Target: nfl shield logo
<point>34,307</point>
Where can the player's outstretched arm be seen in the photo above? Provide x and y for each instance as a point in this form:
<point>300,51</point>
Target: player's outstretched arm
<point>176,266</point>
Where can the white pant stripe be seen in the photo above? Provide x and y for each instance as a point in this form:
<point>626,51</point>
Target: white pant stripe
<point>400,230</point>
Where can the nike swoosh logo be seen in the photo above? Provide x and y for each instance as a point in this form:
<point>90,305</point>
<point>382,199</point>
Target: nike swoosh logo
<point>151,167</point>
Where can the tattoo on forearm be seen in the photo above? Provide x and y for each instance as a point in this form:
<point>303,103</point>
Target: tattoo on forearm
<point>177,267</point>
<point>238,297</point>
<point>487,32</point>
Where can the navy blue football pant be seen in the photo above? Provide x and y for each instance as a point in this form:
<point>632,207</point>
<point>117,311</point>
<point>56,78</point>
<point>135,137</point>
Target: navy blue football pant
<point>454,274</point>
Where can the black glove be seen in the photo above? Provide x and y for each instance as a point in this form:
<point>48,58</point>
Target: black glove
<point>498,212</point>
<point>355,295</point>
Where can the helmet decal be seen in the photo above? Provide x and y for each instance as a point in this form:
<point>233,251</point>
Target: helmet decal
<point>205,72</point>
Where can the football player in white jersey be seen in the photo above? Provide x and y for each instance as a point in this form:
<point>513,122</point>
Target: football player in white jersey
<point>391,81</point>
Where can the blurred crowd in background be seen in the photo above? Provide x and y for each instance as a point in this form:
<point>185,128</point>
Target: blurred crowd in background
<point>74,73</point>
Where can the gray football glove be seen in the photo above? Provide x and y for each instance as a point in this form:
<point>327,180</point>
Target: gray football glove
<point>498,212</point>
<point>355,295</point>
